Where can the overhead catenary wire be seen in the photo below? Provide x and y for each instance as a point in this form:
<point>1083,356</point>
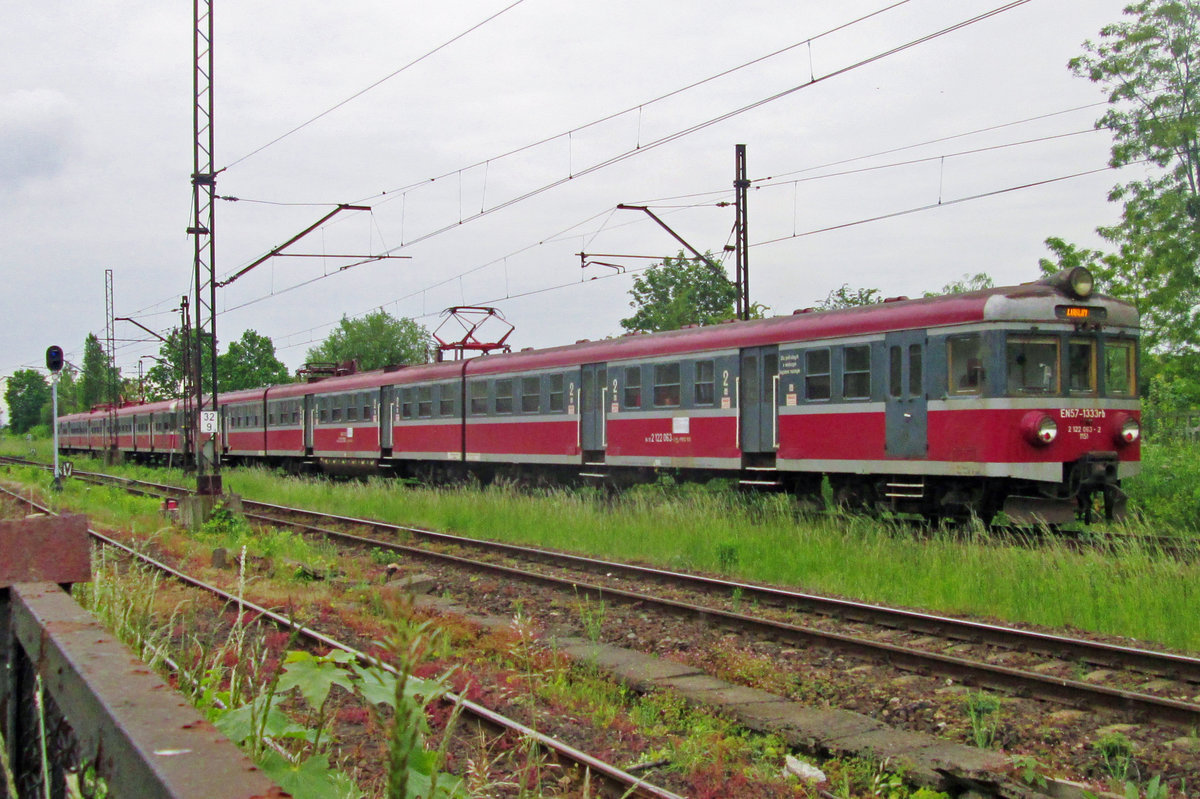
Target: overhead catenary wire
<point>382,80</point>
<point>620,157</point>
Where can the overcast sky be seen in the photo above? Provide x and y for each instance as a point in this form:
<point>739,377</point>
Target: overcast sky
<point>96,153</point>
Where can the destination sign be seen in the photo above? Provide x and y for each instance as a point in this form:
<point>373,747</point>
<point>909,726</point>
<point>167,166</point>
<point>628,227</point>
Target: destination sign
<point>1081,313</point>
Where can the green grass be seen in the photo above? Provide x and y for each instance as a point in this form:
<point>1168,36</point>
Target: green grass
<point>1133,593</point>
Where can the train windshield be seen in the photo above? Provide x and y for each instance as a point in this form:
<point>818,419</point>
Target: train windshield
<point>1032,365</point>
<point>1120,379</point>
<point>1081,367</point>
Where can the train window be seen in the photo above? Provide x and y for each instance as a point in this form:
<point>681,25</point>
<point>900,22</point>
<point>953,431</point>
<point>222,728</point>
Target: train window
<point>965,366</point>
<point>296,413</point>
<point>666,385</point>
<point>531,394</point>
<point>351,411</point>
<point>557,394</point>
<point>1119,380</point>
<point>425,402</point>
<point>1032,364</point>
<point>816,374</point>
<point>446,400</point>
<point>335,413</point>
<point>856,372</point>
<point>408,404</point>
<point>915,383</point>
<point>504,396</point>
<point>1081,366</point>
<point>479,398</point>
<point>895,372</point>
<point>368,408</point>
<point>632,398</point>
<point>705,383</point>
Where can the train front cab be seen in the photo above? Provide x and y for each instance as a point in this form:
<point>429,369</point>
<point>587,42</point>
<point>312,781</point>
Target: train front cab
<point>1046,413</point>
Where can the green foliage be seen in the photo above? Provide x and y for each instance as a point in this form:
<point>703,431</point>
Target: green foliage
<point>166,379</point>
<point>26,392</point>
<point>845,297</point>
<point>1116,755</point>
<point>375,341</point>
<point>983,709</point>
<point>97,380</point>
<point>250,362</point>
<point>967,283</point>
<point>680,291</point>
<point>1167,491</point>
<point>1145,63</point>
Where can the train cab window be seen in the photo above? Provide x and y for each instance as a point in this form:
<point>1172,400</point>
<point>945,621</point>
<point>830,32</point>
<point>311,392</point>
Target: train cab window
<point>504,396</point>
<point>557,394</point>
<point>965,366</point>
<point>632,393</point>
<point>1119,376</point>
<point>666,385</point>
<point>1032,365</point>
<point>531,394</point>
<point>479,398</point>
<point>856,372</point>
<point>425,402</point>
<point>446,399</point>
<point>1081,367</point>
<point>705,383</point>
<point>816,374</point>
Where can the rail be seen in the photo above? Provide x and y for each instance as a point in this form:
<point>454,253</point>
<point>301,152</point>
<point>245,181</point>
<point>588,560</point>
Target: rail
<point>77,707</point>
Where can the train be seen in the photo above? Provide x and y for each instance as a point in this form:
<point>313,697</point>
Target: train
<point>1018,400</point>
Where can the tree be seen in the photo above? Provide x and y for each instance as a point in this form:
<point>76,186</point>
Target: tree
<point>375,341</point>
<point>680,291</point>
<point>1147,65</point>
<point>26,393</point>
<point>845,297</point>
<point>965,284</point>
<point>165,380</point>
<point>250,362</point>
<point>97,378</point>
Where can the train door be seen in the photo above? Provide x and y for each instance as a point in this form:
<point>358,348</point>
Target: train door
<point>383,415</point>
<point>906,406</point>
<point>310,421</point>
<point>758,400</point>
<point>593,392</point>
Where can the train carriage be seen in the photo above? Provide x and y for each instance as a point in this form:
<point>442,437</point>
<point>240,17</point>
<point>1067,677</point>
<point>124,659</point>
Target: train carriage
<point>1018,399</point>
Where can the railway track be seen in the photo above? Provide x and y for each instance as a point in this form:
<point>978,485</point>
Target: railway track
<point>712,599</point>
<point>627,784</point>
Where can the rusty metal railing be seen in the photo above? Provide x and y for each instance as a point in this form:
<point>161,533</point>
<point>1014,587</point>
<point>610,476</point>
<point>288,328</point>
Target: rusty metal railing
<point>77,708</point>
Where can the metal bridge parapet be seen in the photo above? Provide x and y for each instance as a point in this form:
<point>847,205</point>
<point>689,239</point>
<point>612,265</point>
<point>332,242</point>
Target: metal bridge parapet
<point>73,699</point>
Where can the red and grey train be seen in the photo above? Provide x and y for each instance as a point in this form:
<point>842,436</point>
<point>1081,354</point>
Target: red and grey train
<point>1018,399</point>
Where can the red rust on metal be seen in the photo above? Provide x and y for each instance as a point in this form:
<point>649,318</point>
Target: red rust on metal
<point>53,549</point>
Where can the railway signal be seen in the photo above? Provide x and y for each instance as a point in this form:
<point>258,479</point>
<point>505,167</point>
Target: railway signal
<point>54,362</point>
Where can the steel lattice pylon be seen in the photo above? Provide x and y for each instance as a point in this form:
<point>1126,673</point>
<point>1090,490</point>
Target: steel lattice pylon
<point>204,186</point>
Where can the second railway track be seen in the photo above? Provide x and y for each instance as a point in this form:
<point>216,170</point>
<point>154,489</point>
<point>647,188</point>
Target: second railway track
<point>712,599</point>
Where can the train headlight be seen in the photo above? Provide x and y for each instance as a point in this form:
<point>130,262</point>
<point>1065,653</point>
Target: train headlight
<point>1039,428</point>
<point>1128,430</point>
<point>1076,281</point>
<point>1081,282</point>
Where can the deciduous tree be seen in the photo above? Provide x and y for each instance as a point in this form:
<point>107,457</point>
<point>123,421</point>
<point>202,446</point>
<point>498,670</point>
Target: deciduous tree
<point>27,391</point>
<point>250,362</point>
<point>680,291</point>
<point>375,341</point>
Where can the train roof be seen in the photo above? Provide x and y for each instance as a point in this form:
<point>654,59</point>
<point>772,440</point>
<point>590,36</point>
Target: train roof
<point>1028,302</point>
<point>1035,302</point>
